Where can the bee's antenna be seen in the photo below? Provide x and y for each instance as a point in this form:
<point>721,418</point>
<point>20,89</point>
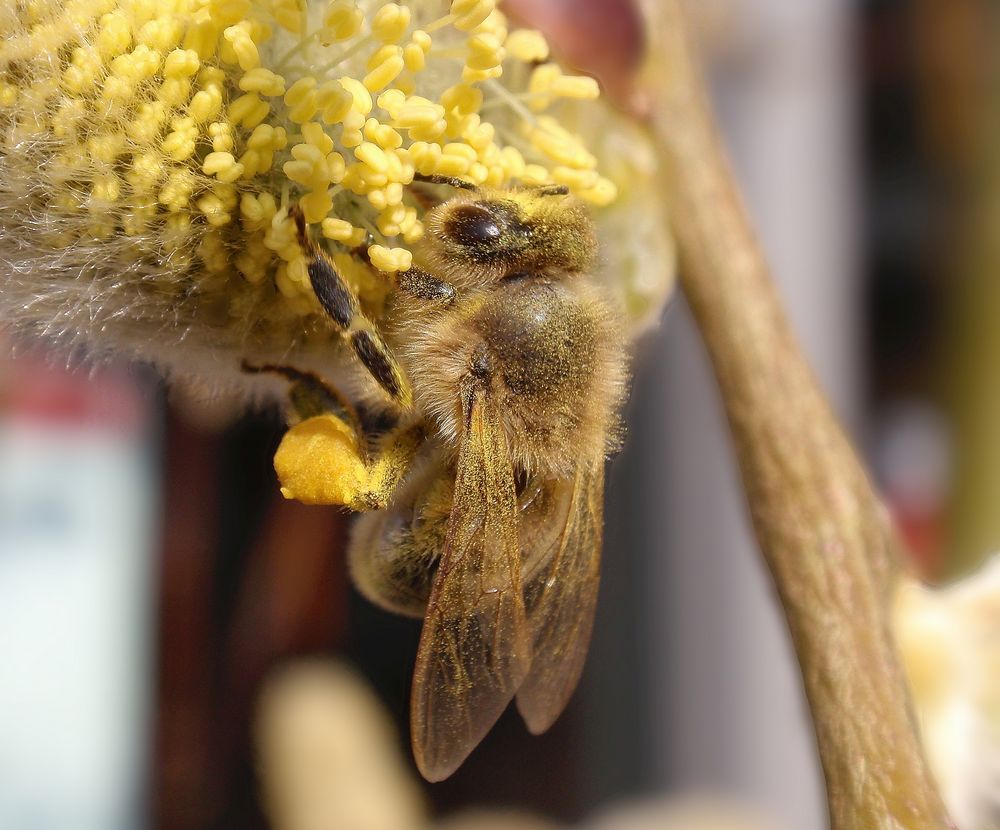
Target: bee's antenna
<point>553,190</point>
<point>452,181</point>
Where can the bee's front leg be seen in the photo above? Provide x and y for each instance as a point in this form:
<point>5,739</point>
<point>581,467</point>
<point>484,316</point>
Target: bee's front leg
<point>424,286</point>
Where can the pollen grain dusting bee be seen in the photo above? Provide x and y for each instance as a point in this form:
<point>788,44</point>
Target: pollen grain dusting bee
<point>483,504</point>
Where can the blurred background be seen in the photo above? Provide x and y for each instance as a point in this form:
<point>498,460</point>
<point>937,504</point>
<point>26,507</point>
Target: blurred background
<point>151,579</point>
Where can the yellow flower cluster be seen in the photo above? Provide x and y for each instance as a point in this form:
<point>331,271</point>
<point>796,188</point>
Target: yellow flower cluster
<point>193,125</point>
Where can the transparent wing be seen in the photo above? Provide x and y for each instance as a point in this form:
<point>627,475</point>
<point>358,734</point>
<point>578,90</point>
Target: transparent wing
<point>560,598</point>
<point>475,648</point>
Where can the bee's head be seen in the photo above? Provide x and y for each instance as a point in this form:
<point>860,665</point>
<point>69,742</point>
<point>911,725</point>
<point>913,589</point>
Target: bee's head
<point>500,232</point>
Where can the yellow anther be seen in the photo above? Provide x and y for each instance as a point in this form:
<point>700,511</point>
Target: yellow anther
<point>579,87</point>
<point>258,211</point>
<point>221,133</point>
<point>377,198</point>
<point>478,172</point>
<point>528,45</point>
<point>138,65</point>
<point>114,35</point>
<point>479,135</point>
<point>315,135</point>
<point>341,21</point>
<point>179,144</point>
<point>181,63</point>
<point>213,209</point>
<point>372,155</point>
<point>382,134</point>
<point>262,137</point>
<point>316,206</point>
<point>248,110</point>
<point>484,51</point>
<point>470,13</point>
<point>162,34</point>
<point>333,101</point>
<point>451,165</point>
<point>476,76</point>
<point>390,219</point>
<point>414,58</point>
<point>264,81</point>
<point>462,98</point>
<point>337,167</point>
<point>560,146</point>
<point>360,93</point>
<point>301,99</point>
<point>339,230</point>
<point>391,101</point>
<point>223,166</point>
<point>385,73</point>
<point>148,122</point>
<point>243,46</point>
<point>308,166</point>
<point>459,149</point>
<point>353,122</point>
<point>202,37</point>
<point>540,85</point>
<point>289,15</point>
<point>391,22</point>
<point>254,162</point>
<point>420,113</point>
<point>212,76</point>
<point>205,105</point>
<point>227,12</point>
<point>413,233</point>
<point>212,251</point>
<point>422,39</point>
<point>389,260</point>
<point>174,92</point>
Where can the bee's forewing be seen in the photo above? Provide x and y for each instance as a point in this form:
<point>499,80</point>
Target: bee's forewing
<point>560,598</point>
<point>475,648</point>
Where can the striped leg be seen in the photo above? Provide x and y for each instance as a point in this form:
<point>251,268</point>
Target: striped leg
<point>341,305</point>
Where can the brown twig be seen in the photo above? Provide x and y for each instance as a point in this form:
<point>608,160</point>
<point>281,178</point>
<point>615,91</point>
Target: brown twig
<point>820,526</point>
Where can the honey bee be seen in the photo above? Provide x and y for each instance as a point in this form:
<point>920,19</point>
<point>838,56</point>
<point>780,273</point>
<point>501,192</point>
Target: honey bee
<point>483,504</point>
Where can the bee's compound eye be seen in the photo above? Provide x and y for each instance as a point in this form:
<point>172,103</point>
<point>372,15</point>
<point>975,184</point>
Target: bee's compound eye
<point>473,226</point>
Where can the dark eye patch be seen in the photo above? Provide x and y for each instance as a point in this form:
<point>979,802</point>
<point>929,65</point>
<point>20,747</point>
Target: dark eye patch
<point>473,226</point>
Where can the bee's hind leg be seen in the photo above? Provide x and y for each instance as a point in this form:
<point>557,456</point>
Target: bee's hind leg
<point>308,394</point>
<point>326,458</point>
